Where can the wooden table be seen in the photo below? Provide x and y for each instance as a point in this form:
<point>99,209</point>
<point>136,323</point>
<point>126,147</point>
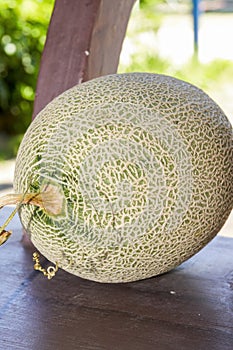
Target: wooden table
<point>189,308</point>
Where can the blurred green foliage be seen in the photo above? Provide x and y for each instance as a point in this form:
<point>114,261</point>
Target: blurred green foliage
<point>206,76</point>
<point>23,27</point>
<point>214,77</point>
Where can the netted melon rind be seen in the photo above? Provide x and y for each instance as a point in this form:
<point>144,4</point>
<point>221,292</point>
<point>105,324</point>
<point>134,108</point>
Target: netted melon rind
<point>145,163</point>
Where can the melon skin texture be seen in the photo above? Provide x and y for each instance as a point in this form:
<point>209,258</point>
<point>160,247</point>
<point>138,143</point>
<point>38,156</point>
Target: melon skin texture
<point>144,163</point>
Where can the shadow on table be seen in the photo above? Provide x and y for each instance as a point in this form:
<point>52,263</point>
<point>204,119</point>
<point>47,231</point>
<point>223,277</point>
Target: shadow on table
<point>5,186</point>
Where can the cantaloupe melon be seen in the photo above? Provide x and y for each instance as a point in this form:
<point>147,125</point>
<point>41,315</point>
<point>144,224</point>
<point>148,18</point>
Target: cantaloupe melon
<point>135,175</point>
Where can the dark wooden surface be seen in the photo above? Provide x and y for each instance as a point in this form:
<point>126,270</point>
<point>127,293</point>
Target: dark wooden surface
<point>189,308</point>
<point>84,41</point>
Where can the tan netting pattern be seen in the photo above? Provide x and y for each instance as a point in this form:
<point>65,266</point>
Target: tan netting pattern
<point>145,165</point>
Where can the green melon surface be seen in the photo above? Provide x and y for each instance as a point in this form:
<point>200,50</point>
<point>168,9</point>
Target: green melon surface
<point>145,165</point>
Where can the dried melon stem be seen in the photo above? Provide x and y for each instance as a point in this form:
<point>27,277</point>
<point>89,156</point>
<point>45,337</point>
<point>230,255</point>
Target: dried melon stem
<point>50,199</point>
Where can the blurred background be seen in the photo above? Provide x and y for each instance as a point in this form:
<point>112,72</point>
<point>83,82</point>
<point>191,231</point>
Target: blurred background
<point>160,39</point>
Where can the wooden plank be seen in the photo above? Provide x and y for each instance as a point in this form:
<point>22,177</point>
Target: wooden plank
<point>107,37</point>
<point>84,41</point>
<point>188,308</point>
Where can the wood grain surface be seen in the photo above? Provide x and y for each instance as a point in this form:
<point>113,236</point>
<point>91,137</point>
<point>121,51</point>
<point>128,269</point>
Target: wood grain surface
<point>189,308</point>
